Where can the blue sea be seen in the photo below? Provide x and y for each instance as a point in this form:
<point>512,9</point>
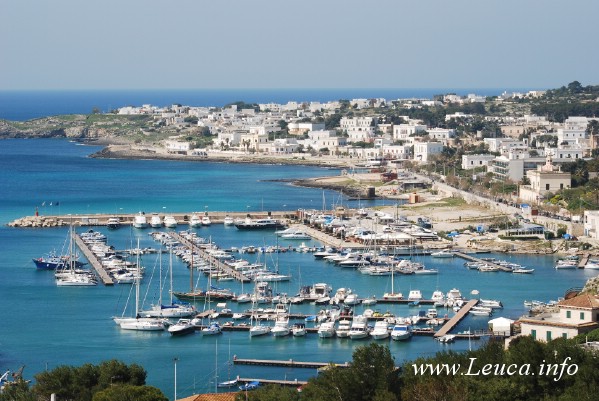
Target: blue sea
<point>26,105</point>
<point>45,326</point>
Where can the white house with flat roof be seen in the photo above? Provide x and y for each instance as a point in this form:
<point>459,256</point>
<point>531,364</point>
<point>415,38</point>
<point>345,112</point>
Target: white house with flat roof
<point>424,150</point>
<point>473,161</point>
<point>591,223</point>
<point>406,132</point>
<point>577,315</point>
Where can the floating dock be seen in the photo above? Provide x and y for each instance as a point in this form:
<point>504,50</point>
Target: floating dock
<point>93,260</point>
<point>471,258</point>
<point>290,363</point>
<point>273,381</point>
<point>584,260</point>
<point>451,323</point>
<point>212,260</point>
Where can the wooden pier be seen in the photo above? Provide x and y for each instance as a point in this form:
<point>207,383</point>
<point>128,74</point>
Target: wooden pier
<point>212,260</point>
<point>451,323</point>
<point>583,261</point>
<point>93,260</point>
<point>290,363</point>
<point>471,258</point>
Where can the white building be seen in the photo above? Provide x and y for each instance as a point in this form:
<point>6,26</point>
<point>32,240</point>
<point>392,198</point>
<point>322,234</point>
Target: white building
<point>545,179</point>
<point>440,134</point>
<point>397,152</point>
<point>406,132</point>
<point>507,169</point>
<point>282,146</point>
<point>572,136</point>
<point>324,139</point>
<point>301,128</point>
<point>358,128</point>
<point>577,315</point>
<point>473,161</point>
<point>424,150</point>
<point>591,223</point>
<point>174,146</point>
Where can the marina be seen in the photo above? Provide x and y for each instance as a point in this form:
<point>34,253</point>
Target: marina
<point>99,192</point>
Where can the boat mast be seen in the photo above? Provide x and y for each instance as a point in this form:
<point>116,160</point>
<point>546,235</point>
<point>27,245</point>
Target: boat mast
<point>137,278</point>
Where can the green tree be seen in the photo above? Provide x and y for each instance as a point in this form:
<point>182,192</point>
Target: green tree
<point>130,393</point>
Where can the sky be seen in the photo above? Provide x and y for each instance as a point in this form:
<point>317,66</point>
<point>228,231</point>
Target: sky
<point>194,44</point>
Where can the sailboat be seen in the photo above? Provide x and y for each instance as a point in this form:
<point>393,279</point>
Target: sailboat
<point>230,382</point>
<point>257,329</point>
<point>137,322</point>
<point>174,309</point>
<point>393,295</point>
<point>70,276</point>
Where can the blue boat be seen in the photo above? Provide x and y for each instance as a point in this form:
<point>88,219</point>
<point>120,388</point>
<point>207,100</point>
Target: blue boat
<point>250,386</point>
<point>54,262</point>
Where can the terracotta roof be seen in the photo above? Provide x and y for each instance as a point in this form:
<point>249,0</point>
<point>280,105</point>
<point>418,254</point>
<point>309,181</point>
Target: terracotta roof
<point>211,397</point>
<point>585,301</point>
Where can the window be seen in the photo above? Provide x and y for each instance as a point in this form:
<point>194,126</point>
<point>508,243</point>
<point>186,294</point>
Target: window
<point>547,187</point>
<point>533,334</point>
<point>581,315</point>
<point>548,336</point>
<point>565,335</point>
<point>568,314</point>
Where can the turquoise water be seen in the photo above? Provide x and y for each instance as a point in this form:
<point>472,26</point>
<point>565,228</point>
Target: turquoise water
<point>45,326</point>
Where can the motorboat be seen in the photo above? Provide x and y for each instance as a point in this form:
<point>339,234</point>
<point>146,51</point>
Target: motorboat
<point>380,330</point>
<point>438,298</point>
<point>182,327</point>
<point>490,303</point>
<point>298,330</point>
<point>401,331</point>
<point>170,221</point>
<point>155,221</point>
<point>140,220</point>
<point>481,311</point>
<point>343,328</point>
<point>369,301</point>
<point>523,270</point>
<point>206,220</point>
<point>113,223</point>
<point>195,221</point>
<point>454,294</point>
<point>566,264</point>
<point>289,230</point>
<point>281,327</point>
<point>212,329</point>
<point>351,299</point>
<point>431,313</point>
<point>260,224</point>
<point>54,262</point>
<point>488,268</point>
<point>296,235</point>
<point>414,295</point>
<point>228,221</point>
<point>447,338</point>
<point>442,254</point>
<point>359,328</point>
<point>250,386</point>
<point>326,330</point>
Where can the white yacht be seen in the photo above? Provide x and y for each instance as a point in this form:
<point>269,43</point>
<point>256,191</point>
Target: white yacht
<point>414,295</point>
<point>359,328</point>
<point>140,221</point>
<point>298,330</point>
<point>281,327</point>
<point>401,331</point>
<point>326,330</point>
<point>380,331</point>
<point>170,221</point>
<point>195,221</point>
<point>438,298</point>
<point>296,234</point>
<point>183,326</point>
<point>113,223</point>
<point>442,254</point>
<point>206,220</point>
<point>343,328</point>
<point>155,221</point>
<point>228,221</point>
<point>351,299</point>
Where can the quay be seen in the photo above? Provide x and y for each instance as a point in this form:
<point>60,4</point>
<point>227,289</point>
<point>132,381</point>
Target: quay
<point>471,258</point>
<point>451,323</point>
<point>93,260</point>
<point>290,363</point>
<point>212,260</point>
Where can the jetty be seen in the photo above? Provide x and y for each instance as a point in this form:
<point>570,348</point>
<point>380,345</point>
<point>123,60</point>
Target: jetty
<point>583,261</point>
<point>471,258</point>
<point>273,381</point>
<point>289,363</point>
<point>93,260</point>
<point>451,323</point>
<point>211,259</point>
